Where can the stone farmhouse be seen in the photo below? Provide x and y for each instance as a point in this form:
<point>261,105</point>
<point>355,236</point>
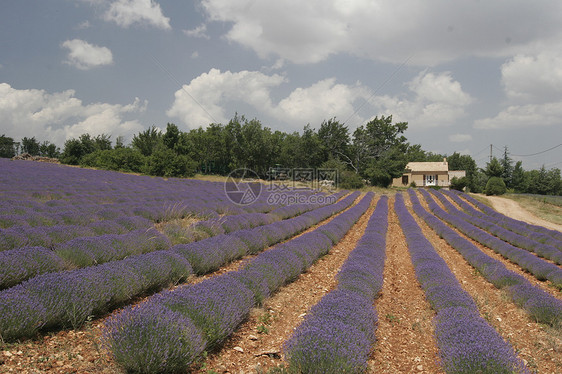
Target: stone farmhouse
<point>427,174</point>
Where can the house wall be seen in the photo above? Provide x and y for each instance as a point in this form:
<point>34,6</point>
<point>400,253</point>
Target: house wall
<point>417,177</point>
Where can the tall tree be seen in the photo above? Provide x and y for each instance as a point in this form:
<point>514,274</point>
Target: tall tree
<point>31,146</point>
<point>507,166</point>
<point>493,168</point>
<point>518,180</point>
<point>7,147</point>
<point>172,136</point>
<point>48,149</point>
<point>334,139</point>
<point>147,141</point>
<point>380,150</point>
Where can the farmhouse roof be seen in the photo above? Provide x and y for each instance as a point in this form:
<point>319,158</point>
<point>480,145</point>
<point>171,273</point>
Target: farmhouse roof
<point>428,166</point>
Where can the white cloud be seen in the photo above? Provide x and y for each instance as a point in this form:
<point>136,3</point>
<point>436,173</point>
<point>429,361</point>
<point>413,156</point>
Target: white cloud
<point>145,12</point>
<point>59,116</point>
<point>533,88</point>
<point>201,101</point>
<point>198,32</point>
<point>322,100</point>
<point>85,56</point>
<point>436,100</point>
<point>433,31</point>
<point>534,78</point>
<point>460,138</point>
<point>520,116</point>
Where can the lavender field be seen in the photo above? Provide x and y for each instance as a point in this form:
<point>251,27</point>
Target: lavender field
<point>169,275</point>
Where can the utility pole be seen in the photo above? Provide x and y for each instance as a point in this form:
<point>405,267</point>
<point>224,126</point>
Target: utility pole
<point>491,153</point>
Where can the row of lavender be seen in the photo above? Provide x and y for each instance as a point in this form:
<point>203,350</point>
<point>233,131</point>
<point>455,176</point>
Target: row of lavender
<point>19,264</point>
<point>173,328</point>
<point>45,204</point>
<point>519,227</point>
<point>338,333</point>
<point>179,234</point>
<point>539,233</point>
<point>467,343</point>
<point>68,298</point>
<point>540,305</point>
<point>541,269</point>
<point>485,222</point>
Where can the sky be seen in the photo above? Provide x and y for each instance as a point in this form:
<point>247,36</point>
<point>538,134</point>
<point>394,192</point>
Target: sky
<point>466,75</point>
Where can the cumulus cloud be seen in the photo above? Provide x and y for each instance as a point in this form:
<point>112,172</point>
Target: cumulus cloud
<point>60,116</point>
<point>145,12</point>
<point>533,78</point>
<point>201,101</point>
<point>520,116</point>
<point>533,89</point>
<point>434,100</point>
<point>433,31</point>
<point>85,56</point>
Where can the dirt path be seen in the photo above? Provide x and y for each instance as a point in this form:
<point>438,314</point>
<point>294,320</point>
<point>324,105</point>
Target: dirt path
<point>513,210</point>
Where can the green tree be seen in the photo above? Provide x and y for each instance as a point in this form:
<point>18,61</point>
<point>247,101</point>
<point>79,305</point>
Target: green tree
<point>507,168</point>
<point>73,152</point>
<point>495,186</point>
<point>172,136</point>
<point>380,150</point>
<point>334,139</point>
<point>48,149</point>
<point>457,161</point>
<point>164,162</point>
<point>120,159</point>
<point>458,183</point>
<point>7,147</point>
<point>31,146</point>
<point>494,168</point>
<point>102,142</point>
<point>518,180</point>
<point>147,141</point>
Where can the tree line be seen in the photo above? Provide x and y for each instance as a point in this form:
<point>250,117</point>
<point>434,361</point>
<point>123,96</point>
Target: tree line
<point>375,152</point>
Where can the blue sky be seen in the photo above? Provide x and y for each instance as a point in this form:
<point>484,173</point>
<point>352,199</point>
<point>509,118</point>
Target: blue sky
<point>463,74</point>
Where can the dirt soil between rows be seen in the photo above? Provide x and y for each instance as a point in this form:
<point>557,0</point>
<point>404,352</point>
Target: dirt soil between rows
<point>405,341</point>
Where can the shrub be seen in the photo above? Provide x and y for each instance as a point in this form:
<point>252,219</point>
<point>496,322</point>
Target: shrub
<point>142,350</point>
<point>350,180</point>
<point>495,186</point>
<point>458,183</point>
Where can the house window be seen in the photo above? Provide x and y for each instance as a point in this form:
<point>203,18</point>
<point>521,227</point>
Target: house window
<point>404,179</point>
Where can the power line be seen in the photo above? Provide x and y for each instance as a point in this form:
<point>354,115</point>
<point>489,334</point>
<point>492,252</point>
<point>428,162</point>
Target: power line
<point>380,87</point>
<point>538,153</point>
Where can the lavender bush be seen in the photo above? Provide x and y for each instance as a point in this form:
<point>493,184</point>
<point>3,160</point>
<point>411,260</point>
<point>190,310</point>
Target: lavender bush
<point>541,269</point>
<point>338,332</point>
<point>17,265</point>
<point>467,344</point>
<point>541,249</point>
<point>142,350</point>
<point>218,305</point>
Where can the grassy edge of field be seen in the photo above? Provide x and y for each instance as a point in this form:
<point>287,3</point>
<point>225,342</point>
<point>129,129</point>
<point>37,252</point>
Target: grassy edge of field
<point>541,209</point>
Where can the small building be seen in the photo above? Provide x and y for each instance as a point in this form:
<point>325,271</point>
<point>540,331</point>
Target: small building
<point>456,174</point>
<point>424,174</point>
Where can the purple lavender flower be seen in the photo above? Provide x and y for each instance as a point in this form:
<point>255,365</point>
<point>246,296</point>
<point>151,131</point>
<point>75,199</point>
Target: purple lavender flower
<point>142,349</point>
